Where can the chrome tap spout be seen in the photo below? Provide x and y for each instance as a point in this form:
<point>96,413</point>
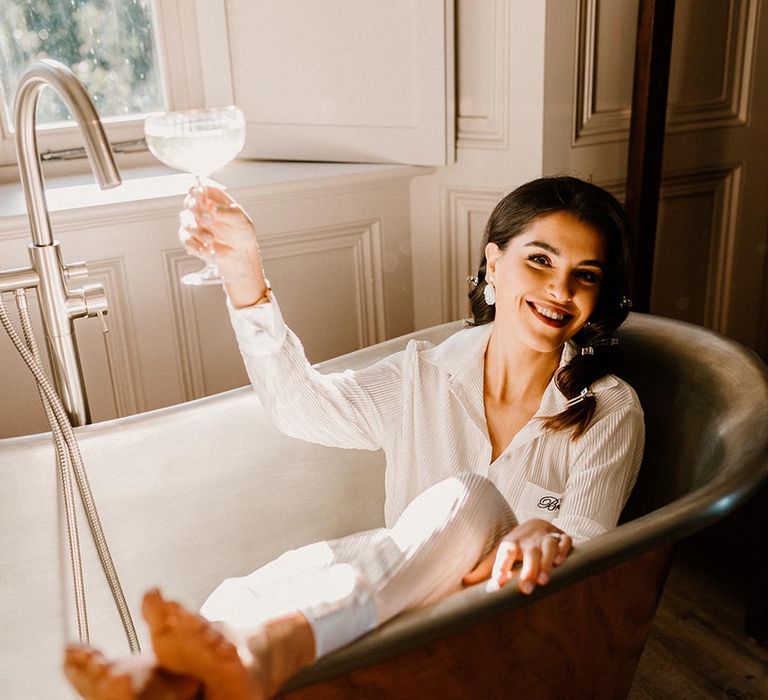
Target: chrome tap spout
<point>58,304</point>
<point>57,76</point>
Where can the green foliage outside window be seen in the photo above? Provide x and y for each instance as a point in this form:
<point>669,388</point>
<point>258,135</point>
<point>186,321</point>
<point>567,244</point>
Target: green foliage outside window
<point>109,45</point>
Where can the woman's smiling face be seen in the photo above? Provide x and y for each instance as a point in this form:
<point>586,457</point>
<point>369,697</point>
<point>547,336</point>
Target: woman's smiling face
<point>547,279</point>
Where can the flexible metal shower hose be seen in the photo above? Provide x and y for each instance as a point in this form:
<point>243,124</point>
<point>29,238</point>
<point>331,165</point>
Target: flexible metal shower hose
<point>65,477</point>
<point>68,455</point>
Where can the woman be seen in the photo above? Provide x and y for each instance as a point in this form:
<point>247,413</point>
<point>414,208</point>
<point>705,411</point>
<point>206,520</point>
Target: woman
<point>505,444</point>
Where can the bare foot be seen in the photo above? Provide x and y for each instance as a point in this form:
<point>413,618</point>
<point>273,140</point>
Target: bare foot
<point>188,644</point>
<point>95,678</point>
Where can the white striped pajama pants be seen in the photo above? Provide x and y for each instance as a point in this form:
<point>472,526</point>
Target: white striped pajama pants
<point>349,586</point>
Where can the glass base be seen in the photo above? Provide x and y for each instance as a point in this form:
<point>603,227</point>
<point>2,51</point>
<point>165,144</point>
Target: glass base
<point>205,275</point>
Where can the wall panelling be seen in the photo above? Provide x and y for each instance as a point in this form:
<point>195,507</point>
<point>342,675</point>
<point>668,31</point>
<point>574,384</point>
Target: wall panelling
<point>712,58</point>
<point>466,213</point>
<point>336,247</point>
<point>693,264</point>
<point>120,358</point>
<point>483,63</point>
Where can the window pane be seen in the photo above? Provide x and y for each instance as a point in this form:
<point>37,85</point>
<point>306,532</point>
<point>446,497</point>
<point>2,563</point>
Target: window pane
<point>109,45</point>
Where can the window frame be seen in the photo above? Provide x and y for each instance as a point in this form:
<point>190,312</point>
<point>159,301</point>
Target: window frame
<point>178,53</point>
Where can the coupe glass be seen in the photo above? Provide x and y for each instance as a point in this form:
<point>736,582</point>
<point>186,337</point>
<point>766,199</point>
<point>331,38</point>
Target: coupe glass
<point>198,141</point>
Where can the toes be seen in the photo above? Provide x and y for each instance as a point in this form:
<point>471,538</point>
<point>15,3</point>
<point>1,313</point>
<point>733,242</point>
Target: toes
<point>211,637</point>
<point>93,677</point>
<point>153,608</point>
<point>220,647</point>
<point>187,645</point>
<point>94,664</point>
<point>166,615</point>
<point>225,648</point>
<point>190,623</point>
<point>76,656</point>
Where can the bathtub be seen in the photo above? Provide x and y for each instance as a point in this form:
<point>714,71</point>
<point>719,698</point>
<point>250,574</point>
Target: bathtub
<point>194,493</point>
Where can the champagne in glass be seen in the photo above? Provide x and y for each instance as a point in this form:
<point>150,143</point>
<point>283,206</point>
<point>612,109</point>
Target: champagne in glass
<point>198,141</point>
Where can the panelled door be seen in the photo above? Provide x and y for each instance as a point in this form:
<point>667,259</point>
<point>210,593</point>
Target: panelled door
<point>709,264</point>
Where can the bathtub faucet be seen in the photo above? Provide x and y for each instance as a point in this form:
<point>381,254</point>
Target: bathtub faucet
<point>59,305</point>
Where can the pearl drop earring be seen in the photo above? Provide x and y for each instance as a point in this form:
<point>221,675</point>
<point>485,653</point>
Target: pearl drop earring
<point>490,291</point>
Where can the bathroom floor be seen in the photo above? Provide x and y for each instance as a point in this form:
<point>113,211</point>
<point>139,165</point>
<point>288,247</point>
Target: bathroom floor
<point>697,647</point>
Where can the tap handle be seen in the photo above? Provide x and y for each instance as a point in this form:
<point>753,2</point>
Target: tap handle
<point>95,299</point>
<point>76,270</point>
<point>101,314</point>
<point>89,300</point>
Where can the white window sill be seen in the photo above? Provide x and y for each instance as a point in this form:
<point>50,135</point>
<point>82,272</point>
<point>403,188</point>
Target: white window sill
<point>150,186</point>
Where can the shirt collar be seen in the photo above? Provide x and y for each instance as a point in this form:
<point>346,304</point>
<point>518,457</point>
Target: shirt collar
<point>461,357</point>
<point>461,354</point>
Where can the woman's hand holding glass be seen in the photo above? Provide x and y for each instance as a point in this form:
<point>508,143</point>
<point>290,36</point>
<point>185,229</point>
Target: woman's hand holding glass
<point>214,221</point>
<point>536,543</point>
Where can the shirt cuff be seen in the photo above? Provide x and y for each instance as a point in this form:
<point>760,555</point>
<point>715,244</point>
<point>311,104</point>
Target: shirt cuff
<point>580,528</point>
<point>259,329</point>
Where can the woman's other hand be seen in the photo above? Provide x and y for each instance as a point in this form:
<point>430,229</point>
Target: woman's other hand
<point>538,544</point>
<point>213,221</point>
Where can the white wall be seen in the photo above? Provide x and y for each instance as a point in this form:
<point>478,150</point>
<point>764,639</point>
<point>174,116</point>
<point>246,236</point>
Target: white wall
<point>336,246</point>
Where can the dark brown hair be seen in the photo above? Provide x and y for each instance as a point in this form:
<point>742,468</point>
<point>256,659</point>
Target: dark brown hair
<point>594,206</point>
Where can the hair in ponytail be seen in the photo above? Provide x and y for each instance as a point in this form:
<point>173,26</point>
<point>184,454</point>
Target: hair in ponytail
<point>594,206</point>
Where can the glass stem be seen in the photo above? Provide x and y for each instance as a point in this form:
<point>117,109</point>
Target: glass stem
<point>203,199</point>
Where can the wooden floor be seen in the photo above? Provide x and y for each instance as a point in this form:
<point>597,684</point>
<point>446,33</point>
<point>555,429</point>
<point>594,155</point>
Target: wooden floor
<point>697,647</point>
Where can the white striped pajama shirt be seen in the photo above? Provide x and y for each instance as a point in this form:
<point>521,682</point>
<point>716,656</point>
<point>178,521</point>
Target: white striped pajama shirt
<point>424,407</point>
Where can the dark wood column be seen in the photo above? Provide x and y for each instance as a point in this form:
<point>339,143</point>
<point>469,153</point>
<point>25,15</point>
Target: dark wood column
<point>653,51</point>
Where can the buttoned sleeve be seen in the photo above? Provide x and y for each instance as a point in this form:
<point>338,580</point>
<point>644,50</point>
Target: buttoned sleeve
<point>606,463</point>
<point>352,409</point>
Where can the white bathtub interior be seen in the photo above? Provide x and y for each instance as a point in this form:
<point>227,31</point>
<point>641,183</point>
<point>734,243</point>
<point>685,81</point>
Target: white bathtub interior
<point>187,495</point>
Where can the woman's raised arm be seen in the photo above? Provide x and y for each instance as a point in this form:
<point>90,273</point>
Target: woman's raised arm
<point>348,409</point>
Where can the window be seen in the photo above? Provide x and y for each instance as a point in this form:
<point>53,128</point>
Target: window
<point>132,56</point>
<point>108,44</point>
